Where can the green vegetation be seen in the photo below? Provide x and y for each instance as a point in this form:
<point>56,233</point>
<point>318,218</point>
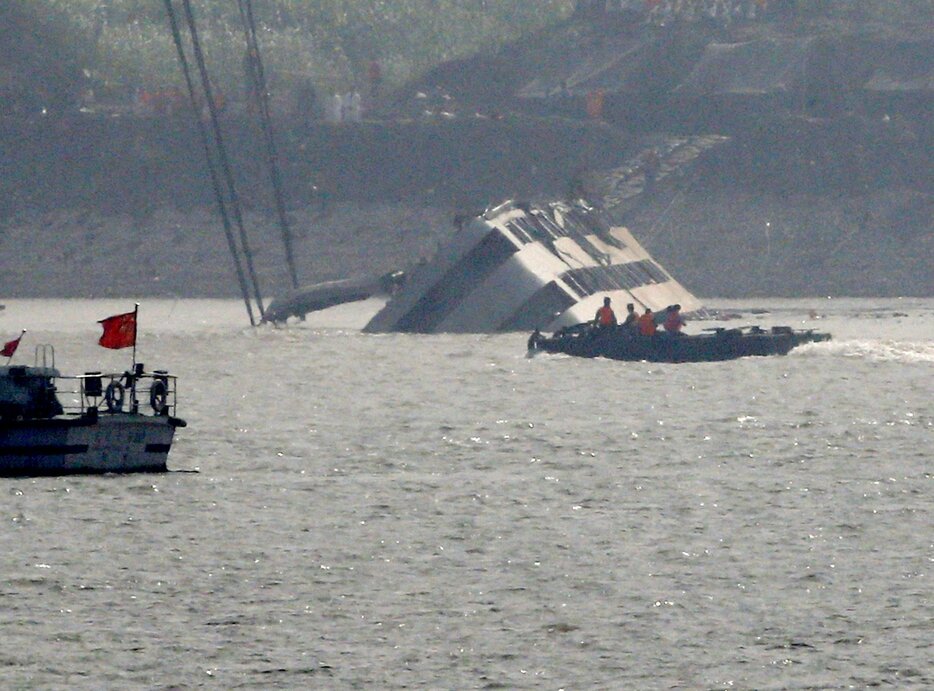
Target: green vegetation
<point>887,11</point>
<point>38,62</point>
<point>890,12</point>
<point>127,43</point>
<point>119,45</point>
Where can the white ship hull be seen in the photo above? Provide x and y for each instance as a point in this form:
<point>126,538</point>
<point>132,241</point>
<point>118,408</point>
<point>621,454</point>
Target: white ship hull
<point>520,267</point>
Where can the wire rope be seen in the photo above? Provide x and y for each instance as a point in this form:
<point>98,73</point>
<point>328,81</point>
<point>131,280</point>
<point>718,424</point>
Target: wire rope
<point>212,168</point>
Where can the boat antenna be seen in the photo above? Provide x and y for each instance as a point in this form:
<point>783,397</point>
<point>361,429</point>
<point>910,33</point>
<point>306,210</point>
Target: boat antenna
<point>258,80</point>
<point>212,168</point>
<point>222,150</point>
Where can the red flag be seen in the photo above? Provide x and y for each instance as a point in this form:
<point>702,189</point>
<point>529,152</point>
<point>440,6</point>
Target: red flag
<point>119,331</point>
<point>10,346</point>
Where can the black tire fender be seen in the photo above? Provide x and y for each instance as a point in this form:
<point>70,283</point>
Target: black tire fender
<point>114,397</point>
<point>159,396</point>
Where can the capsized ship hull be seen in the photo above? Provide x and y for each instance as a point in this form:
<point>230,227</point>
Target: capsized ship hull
<point>519,267</point>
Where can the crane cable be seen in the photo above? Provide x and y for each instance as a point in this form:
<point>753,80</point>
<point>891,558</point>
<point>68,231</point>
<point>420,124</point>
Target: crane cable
<point>212,169</point>
<point>222,151</point>
<point>258,80</point>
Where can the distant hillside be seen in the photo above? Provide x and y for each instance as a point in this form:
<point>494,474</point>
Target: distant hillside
<point>796,158</point>
<point>113,47</point>
<point>40,63</point>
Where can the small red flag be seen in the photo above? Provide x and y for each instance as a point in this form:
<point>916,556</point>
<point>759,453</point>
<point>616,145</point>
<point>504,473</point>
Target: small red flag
<point>10,346</point>
<point>119,331</point>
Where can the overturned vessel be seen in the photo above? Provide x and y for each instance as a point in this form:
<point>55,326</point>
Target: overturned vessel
<point>102,427</point>
<point>523,266</point>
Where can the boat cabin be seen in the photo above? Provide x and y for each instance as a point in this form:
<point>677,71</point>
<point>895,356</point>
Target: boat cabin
<point>28,393</point>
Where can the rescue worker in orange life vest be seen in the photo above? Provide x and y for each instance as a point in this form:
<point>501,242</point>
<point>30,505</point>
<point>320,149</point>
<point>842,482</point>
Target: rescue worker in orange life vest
<point>673,320</point>
<point>647,323</point>
<point>605,316</point>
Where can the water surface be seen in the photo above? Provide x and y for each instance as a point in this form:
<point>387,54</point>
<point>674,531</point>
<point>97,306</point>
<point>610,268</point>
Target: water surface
<point>383,511</point>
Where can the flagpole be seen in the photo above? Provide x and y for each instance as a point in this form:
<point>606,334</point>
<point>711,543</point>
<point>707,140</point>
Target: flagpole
<point>135,331</point>
<point>135,334</point>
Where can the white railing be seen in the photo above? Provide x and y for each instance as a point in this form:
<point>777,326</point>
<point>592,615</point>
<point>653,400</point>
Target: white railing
<point>114,393</point>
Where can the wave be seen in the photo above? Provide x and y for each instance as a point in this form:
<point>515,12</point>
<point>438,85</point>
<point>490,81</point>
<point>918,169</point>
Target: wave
<point>875,351</point>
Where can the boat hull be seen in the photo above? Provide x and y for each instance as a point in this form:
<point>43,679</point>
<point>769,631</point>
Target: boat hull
<point>620,344</point>
<point>120,443</point>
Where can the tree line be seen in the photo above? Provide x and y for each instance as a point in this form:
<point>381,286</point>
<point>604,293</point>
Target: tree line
<point>120,45</point>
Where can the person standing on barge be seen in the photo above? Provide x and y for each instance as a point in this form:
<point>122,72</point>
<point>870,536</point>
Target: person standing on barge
<point>647,323</point>
<point>631,317</point>
<point>673,320</point>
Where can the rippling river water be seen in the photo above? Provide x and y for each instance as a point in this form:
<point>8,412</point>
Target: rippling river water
<point>442,512</point>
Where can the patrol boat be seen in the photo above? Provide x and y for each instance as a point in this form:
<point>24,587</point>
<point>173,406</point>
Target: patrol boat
<point>52,424</point>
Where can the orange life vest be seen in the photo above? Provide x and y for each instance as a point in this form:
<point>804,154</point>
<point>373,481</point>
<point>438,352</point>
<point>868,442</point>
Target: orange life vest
<point>647,324</point>
<point>674,322</point>
<point>605,316</point>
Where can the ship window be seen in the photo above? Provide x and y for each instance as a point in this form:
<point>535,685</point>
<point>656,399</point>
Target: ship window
<point>631,277</point>
<point>550,226</point>
<point>533,230</point>
<point>538,227</point>
<point>656,272</point>
<point>572,281</point>
<point>578,232</point>
<point>538,230</point>
<point>595,223</point>
<point>572,221</point>
<point>520,232</point>
<point>594,279</point>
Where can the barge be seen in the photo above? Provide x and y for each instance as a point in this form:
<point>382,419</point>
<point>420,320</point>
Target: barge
<point>624,343</point>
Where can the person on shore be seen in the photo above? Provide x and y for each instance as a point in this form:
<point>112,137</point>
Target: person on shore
<point>306,101</point>
<point>353,107</point>
<point>650,167</point>
<point>647,323</point>
<point>605,316</point>
<point>335,109</point>
<point>374,75</point>
<point>251,80</point>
